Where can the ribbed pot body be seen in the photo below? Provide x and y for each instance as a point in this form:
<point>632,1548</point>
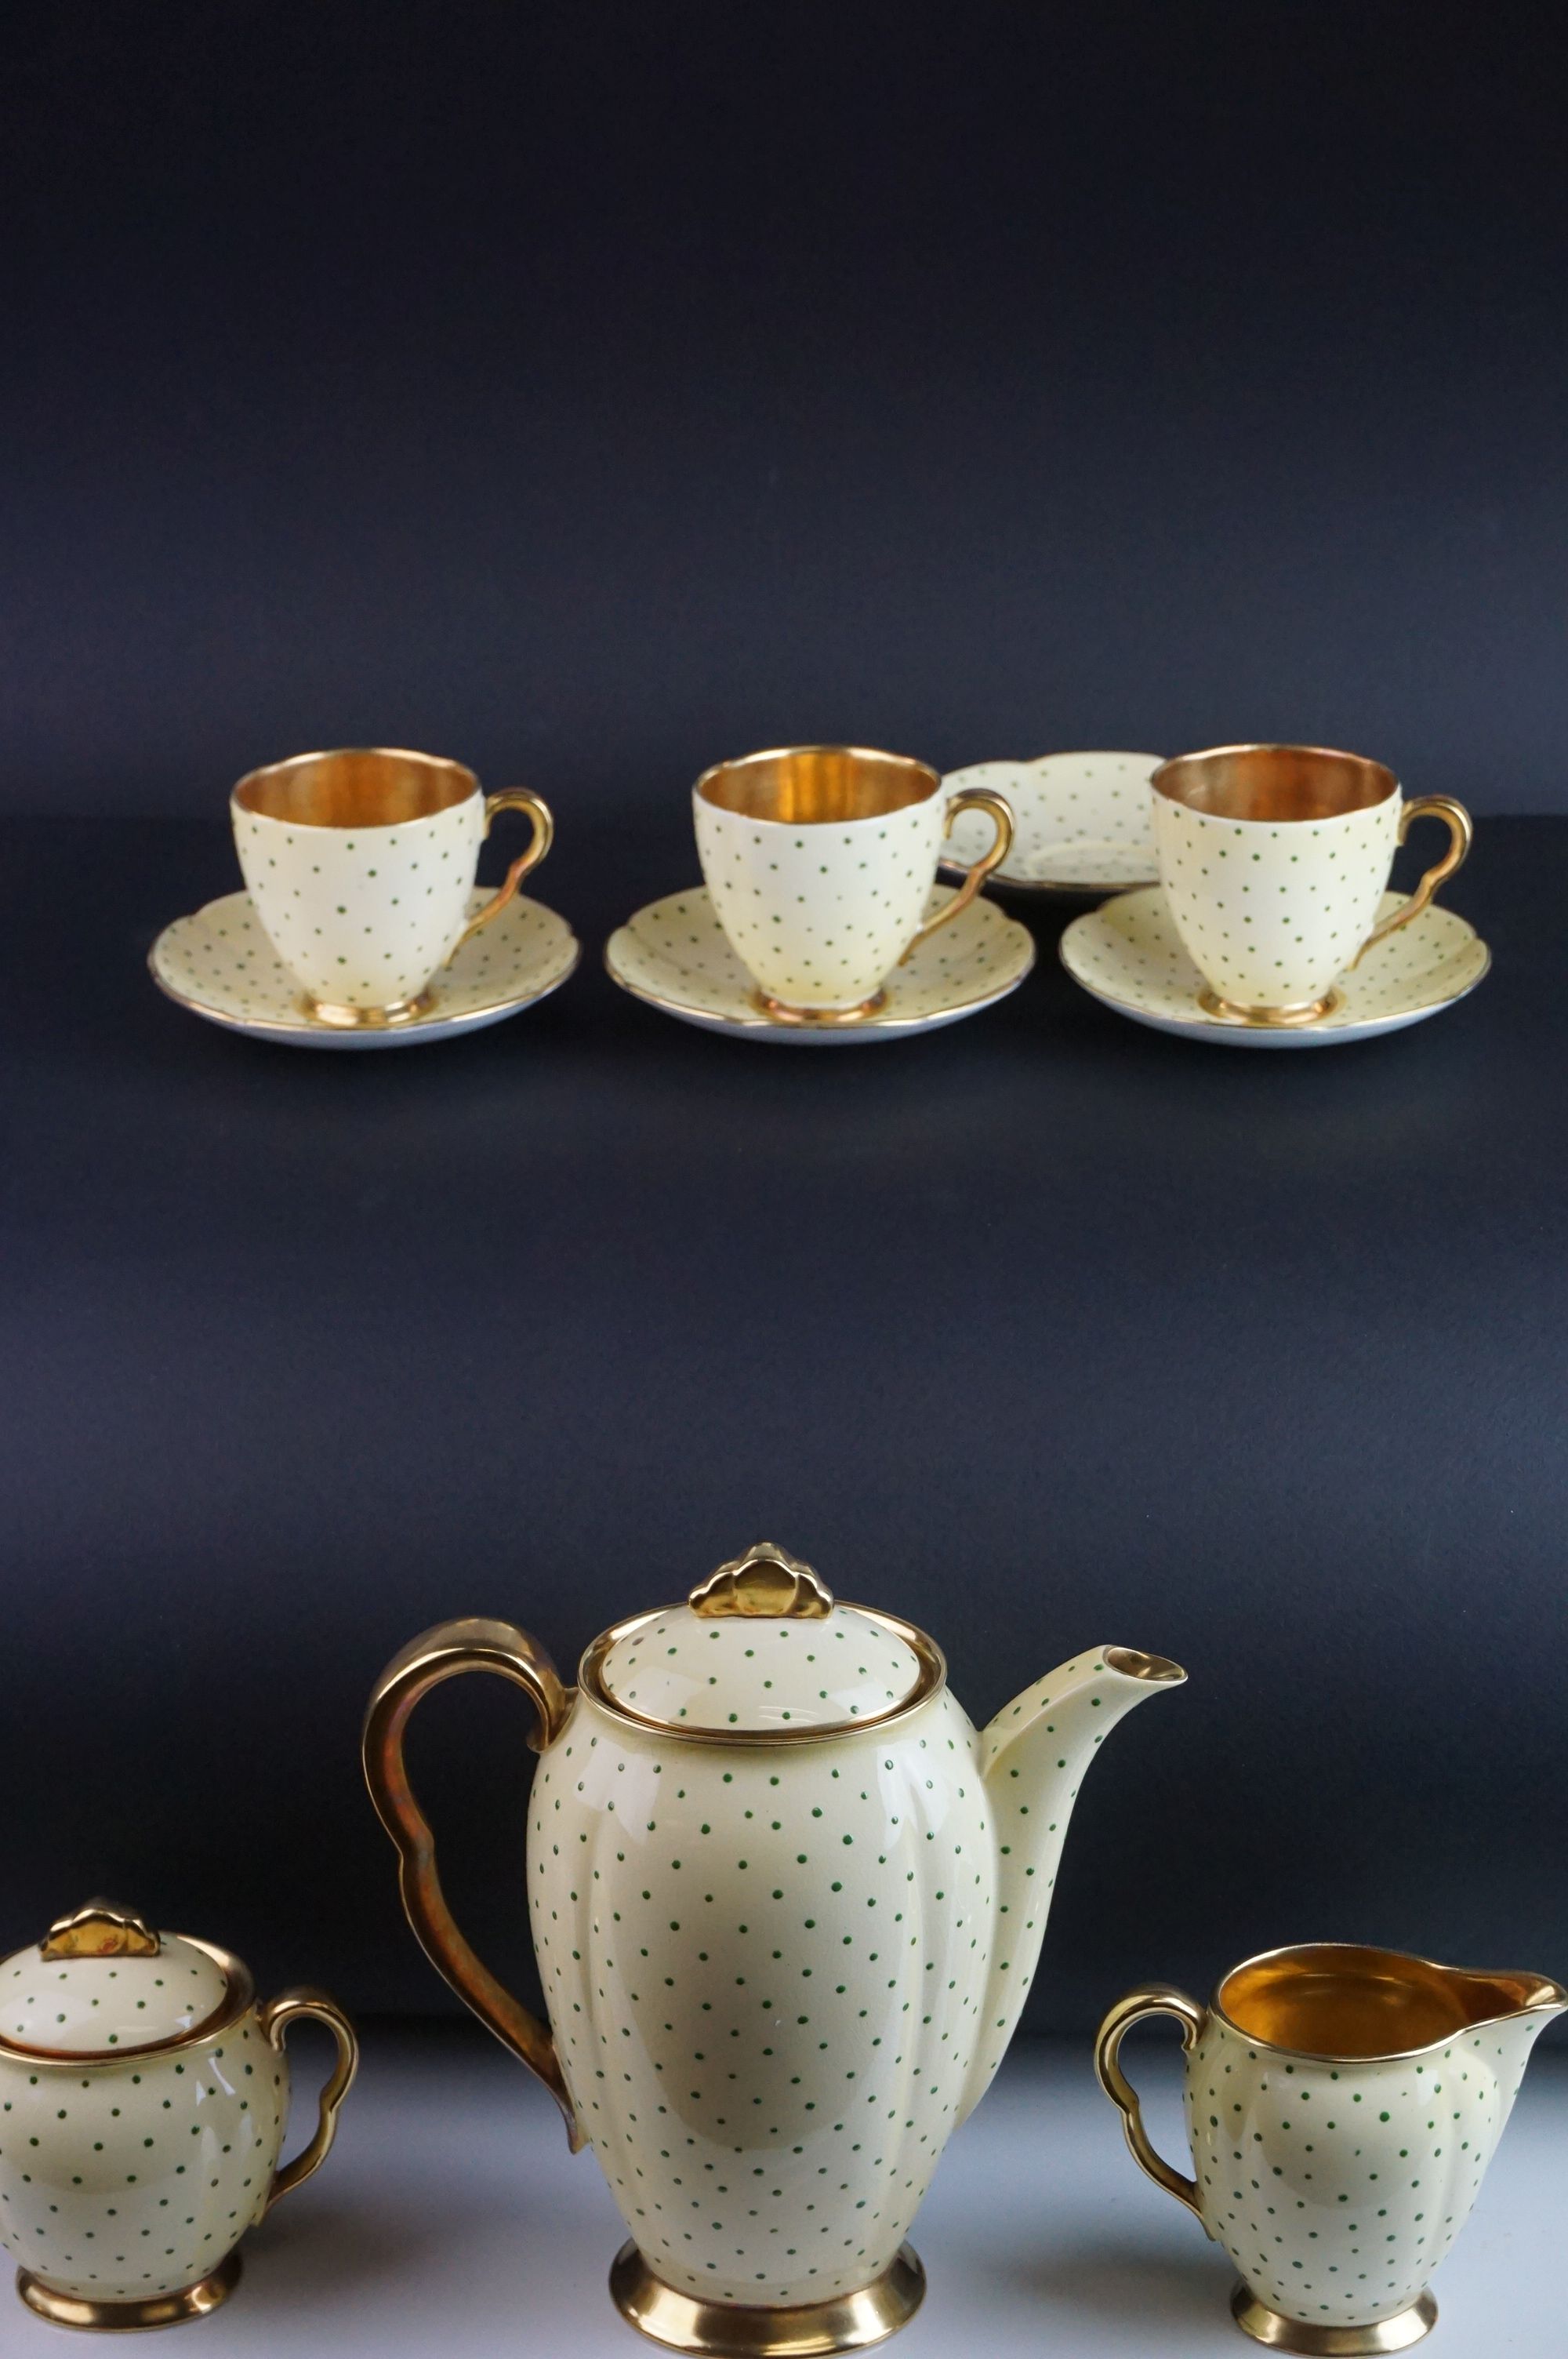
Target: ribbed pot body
<point>766,1969</point>
<point>1337,2188</point>
<point>121,2181</point>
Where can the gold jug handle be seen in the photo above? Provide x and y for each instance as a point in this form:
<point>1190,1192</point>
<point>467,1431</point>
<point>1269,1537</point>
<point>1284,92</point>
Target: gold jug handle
<point>1460,835</point>
<point>511,798</point>
<point>999,813</point>
<point>1154,1998</point>
<point>442,1654</point>
<point>274,2018</point>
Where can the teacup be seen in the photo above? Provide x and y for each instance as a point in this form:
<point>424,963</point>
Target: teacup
<point>359,866</point>
<point>819,861</point>
<point>1342,2105</point>
<point>146,2095</point>
<point>1274,860</point>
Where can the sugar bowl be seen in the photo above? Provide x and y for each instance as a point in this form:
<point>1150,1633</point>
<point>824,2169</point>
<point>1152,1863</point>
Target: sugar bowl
<point>142,2099</point>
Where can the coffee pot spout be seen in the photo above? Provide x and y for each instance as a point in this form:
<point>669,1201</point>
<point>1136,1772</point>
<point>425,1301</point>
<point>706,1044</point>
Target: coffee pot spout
<point>1033,1756</point>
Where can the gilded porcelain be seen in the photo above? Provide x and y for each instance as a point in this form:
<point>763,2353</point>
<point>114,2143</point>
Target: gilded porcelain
<point>1274,860</point>
<point>359,866</point>
<point>220,963</point>
<point>1129,955</point>
<point>1342,2105</point>
<point>143,2100</point>
<point>674,956</point>
<point>820,862</point>
<point>786,1902</point>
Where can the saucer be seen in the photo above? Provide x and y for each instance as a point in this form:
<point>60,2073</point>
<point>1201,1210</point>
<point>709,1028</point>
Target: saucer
<point>220,964</point>
<point>1127,953</point>
<point>675,955</point>
<point>1081,821</point>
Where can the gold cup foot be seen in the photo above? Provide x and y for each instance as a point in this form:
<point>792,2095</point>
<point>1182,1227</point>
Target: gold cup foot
<point>727,2330</point>
<point>369,1019</point>
<point>818,1019</point>
<point>1269,1020</point>
<point>130,2317</point>
<point>1265,2325</point>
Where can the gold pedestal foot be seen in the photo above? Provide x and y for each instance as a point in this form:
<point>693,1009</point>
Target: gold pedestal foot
<point>1269,1020</point>
<point>826,1019</point>
<point>369,1019</point>
<point>1265,2325</point>
<point>130,2317</point>
<point>727,2330</point>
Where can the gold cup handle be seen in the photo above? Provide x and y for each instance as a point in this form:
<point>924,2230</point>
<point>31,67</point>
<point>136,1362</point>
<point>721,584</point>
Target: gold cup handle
<point>442,1654</point>
<point>274,2018</point>
<point>543,835</point>
<point>1460,835</point>
<point>1154,1998</point>
<point>1000,815</point>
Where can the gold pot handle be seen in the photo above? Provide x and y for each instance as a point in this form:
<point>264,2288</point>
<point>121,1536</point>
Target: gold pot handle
<point>1000,816</point>
<point>539,843</point>
<point>1460,835</point>
<point>440,1653</point>
<point>274,2018</point>
<point>1154,1998</point>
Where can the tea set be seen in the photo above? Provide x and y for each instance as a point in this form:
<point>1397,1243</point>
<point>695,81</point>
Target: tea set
<point>786,1903</point>
<point>1243,899</point>
<point>786,1900</point>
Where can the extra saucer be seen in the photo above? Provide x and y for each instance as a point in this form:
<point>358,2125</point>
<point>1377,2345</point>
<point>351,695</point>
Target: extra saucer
<point>1127,954</point>
<point>1081,821</point>
<point>220,964</point>
<point>674,954</point>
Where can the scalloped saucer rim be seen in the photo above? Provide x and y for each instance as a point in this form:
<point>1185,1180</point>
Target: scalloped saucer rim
<point>273,1011</point>
<point>1128,864</point>
<point>1175,1008</point>
<point>727,1008</point>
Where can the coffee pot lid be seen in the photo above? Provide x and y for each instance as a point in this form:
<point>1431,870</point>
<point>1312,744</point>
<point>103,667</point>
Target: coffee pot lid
<point>102,1982</point>
<point>761,1653</point>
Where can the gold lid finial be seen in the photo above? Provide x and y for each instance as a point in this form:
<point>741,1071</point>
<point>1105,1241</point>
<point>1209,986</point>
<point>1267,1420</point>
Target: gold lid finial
<point>99,1930</point>
<point>765,1582</point>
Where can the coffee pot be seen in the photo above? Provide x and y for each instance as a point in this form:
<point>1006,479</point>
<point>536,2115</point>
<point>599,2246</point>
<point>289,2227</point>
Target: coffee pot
<point>786,1902</point>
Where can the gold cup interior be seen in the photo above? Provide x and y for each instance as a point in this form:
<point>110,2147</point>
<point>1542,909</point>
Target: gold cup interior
<point>813,786</point>
<point>359,785</point>
<point>1274,783</point>
<point>1342,2001</point>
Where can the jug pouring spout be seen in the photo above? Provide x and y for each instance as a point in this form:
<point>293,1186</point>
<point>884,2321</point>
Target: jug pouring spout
<point>1033,1756</point>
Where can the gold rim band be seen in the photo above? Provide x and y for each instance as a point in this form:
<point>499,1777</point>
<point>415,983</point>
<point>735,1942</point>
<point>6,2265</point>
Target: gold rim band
<point>443,1653</point>
<point>722,2330</point>
<point>931,1675</point>
<point>237,2001</point>
<point>129,2317</point>
<point>1281,2333</point>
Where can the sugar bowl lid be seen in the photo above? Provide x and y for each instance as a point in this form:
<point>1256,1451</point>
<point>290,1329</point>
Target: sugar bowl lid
<point>103,1983</point>
<point>761,1653</point>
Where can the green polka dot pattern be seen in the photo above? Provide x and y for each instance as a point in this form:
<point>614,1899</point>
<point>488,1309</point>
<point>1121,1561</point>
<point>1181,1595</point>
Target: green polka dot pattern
<point>219,963</point>
<point>675,954</point>
<point>1337,2189</point>
<point>779,1977</point>
<point>134,2179</point>
<point>1273,914</point>
<point>362,917</point>
<point>79,2005</point>
<point>1081,821</point>
<point>760,1673</point>
<point>1131,954</point>
<point>819,913</point>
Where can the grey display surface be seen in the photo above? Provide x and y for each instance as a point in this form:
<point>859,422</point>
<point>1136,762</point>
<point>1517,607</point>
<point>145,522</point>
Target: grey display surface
<point>451,2218</point>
